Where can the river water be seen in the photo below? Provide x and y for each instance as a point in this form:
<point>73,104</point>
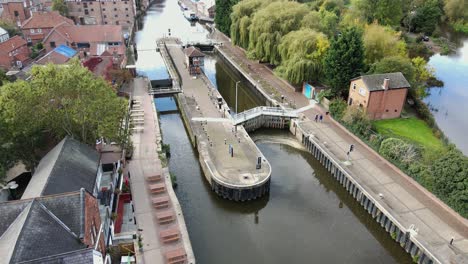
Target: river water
<point>449,104</point>
<point>307,218</point>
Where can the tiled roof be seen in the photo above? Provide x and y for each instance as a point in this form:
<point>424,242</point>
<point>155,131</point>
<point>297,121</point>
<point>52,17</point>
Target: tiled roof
<point>45,20</point>
<point>89,33</point>
<point>82,256</point>
<point>12,44</point>
<point>374,82</point>
<point>41,227</point>
<point>193,52</point>
<point>69,166</point>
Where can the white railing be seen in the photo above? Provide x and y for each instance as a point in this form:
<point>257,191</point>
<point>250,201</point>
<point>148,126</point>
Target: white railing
<point>263,110</point>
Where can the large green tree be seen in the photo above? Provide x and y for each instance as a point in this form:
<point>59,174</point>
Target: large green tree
<point>241,17</point>
<point>223,15</point>
<point>381,42</point>
<point>58,101</point>
<point>395,64</point>
<point>344,59</point>
<point>269,25</point>
<point>302,52</point>
<point>426,17</point>
<point>386,12</point>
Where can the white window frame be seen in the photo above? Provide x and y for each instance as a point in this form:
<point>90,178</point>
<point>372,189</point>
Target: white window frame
<point>31,30</point>
<point>362,91</point>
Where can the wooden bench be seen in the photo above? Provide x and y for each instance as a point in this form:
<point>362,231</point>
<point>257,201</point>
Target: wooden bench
<point>170,235</point>
<point>160,202</point>
<point>165,217</point>
<point>176,256</point>
<point>157,188</point>
<point>153,178</point>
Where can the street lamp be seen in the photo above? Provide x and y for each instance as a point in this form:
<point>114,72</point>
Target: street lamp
<point>236,94</point>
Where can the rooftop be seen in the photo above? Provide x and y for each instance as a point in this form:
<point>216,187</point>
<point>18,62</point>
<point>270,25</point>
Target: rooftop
<point>59,55</point>
<point>193,52</point>
<point>374,82</point>
<point>45,20</point>
<point>40,227</point>
<point>69,166</point>
<point>12,44</point>
<point>2,31</point>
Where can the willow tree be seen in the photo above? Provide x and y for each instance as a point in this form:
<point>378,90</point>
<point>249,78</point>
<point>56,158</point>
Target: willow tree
<point>381,42</point>
<point>269,25</point>
<point>241,18</point>
<point>302,52</point>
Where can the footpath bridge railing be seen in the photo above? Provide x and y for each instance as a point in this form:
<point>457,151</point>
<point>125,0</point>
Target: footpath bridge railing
<point>263,111</point>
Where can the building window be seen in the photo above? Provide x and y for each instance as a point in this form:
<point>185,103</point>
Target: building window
<point>85,5</point>
<point>126,2</point>
<point>86,12</point>
<point>103,9</point>
<point>127,15</point>
<point>396,110</point>
<point>39,30</point>
<point>90,3</point>
<point>126,9</point>
<point>52,44</point>
<point>128,22</point>
<point>386,110</point>
<point>354,86</point>
<point>105,16</point>
<point>116,15</point>
<point>116,22</point>
<point>92,9</point>
<point>105,22</point>
<point>31,30</point>
<point>16,13</point>
<point>114,3</point>
<point>362,91</point>
<point>115,9</point>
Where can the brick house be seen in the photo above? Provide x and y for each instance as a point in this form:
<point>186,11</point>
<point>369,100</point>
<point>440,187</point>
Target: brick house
<point>91,40</point>
<point>119,12</point>
<point>381,95</point>
<point>51,227</point>
<point>14,53</point>
<point>16,11</point>
<point>194,59</point>
<point>40,24</point>
<point>72,165</point>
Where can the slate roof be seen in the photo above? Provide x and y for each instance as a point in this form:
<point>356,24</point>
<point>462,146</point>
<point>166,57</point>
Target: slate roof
<point>374,82</point>
<point>193,52</point>
<point>41,227</point>
<point>68,167</point>
<point>82,256</point>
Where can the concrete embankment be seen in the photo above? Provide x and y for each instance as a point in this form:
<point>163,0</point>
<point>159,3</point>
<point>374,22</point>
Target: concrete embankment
<point>227,155</point>
<point>424,226</point>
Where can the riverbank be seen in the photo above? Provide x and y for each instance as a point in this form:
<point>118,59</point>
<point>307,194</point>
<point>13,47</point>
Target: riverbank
<point>435,221</point>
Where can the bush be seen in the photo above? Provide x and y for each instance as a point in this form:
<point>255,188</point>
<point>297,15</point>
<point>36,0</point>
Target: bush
<point>356,119</point>
<point>399,151</point>
<point>337,108</point>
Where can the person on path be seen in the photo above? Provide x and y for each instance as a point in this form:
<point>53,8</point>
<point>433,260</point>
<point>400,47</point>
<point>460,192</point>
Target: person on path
<point>316,118</point>
<point>321,118</point>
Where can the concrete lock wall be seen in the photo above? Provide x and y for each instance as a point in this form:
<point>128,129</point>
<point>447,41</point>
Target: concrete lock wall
<point>396,231</point>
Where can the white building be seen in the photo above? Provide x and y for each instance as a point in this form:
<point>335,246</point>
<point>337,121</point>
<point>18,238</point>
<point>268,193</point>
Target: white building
<point>3,35</point>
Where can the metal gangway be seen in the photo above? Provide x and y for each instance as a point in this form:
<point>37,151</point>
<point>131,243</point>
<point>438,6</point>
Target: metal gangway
<point>264,111</point>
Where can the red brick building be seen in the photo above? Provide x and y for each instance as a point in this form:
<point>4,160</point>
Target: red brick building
<point>14,53</point>
<point>16,11</point>
<point>39,25</point>
<point>381,95</point>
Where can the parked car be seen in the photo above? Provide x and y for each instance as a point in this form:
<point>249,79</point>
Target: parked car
<point>425,38</point>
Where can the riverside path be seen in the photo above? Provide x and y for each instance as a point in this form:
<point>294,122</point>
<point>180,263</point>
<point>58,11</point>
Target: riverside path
<point>409,203</point>
<point>228,157</point>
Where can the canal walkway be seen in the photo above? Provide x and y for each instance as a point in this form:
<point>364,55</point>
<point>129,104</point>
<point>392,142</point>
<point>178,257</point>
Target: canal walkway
<point>158,214</point>
<point>227,154</point>
<point>410,204</point>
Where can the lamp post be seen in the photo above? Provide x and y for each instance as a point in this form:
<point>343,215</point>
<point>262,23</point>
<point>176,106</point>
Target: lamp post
<point>236,94</point>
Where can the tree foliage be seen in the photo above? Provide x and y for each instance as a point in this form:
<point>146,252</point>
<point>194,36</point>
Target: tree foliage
<point>395,64</point>
<point>337,108</point>
<point>450,174</point>
<point>426,17</point>
<point>381,42</point>
<point>302,52</point>
<point>399,150</point>
<point>344,59</point>
<point>223,14</point>
<point>58,101</point>
<point>456,10</point>
<point>269,25</point>
<point>386,12</point>
<point>11,28</point>
<point>60,6</point>
<point>241,18</point>
<point>323,20</point>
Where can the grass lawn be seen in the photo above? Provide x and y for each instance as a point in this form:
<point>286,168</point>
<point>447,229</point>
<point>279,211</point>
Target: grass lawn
<point>412,128</point>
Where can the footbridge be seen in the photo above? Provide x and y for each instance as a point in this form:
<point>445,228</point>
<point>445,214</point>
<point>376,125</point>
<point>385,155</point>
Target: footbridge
<point>264,116</point>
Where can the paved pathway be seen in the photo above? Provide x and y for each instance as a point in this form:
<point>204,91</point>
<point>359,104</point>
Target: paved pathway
<point>409,202</point>
<point>145,162</point>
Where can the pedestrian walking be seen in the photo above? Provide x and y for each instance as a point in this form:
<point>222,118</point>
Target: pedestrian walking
<point>321,118</point>
<point>316,118</point>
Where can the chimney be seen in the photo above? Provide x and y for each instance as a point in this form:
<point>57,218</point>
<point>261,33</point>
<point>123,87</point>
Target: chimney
<point>386,82</point>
